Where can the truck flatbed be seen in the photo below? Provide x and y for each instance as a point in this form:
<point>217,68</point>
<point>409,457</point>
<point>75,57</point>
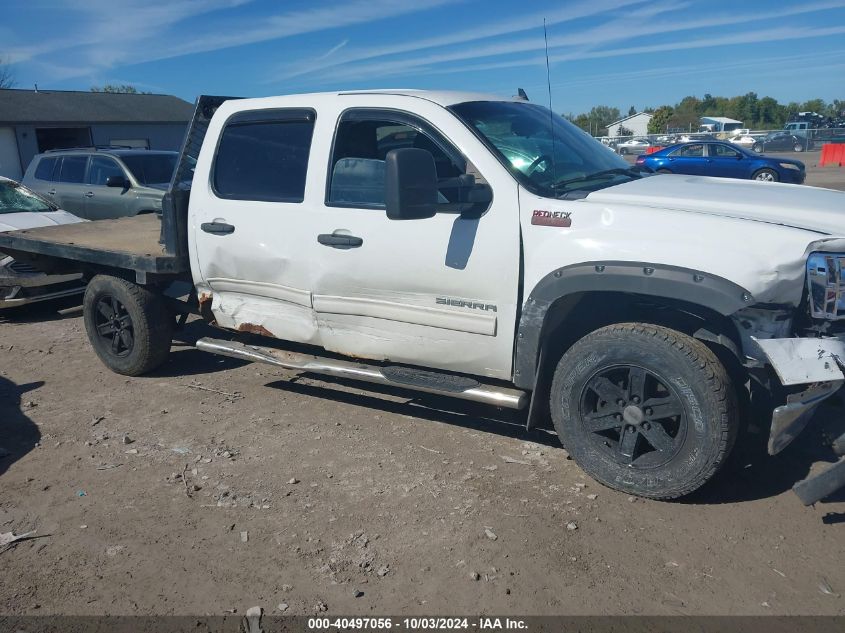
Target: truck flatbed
<point>126,243</point>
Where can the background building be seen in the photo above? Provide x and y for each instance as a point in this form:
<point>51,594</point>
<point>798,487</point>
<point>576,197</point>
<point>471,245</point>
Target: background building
<point>637,123</point>
<point>34,121</point>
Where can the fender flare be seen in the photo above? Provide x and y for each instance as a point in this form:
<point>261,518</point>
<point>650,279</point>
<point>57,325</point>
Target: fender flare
<point>641,278</point>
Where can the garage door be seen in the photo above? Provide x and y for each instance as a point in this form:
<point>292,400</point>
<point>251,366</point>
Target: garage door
<point>10,162</point>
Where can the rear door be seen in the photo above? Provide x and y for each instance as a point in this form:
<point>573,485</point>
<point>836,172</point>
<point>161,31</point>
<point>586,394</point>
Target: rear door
<point>252,242</point>
<point>69,189</point>
<point>438,292</point>
<point>688,159</point>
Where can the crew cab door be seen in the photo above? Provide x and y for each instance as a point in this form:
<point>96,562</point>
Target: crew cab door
<point>438,292</point>
<point>251,240</point>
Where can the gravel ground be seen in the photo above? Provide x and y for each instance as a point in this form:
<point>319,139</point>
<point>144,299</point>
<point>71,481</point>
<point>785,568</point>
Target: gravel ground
<point>215,485</point>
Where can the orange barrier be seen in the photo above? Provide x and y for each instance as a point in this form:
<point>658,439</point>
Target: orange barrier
<point>653,148</point>
<point>832,154</point>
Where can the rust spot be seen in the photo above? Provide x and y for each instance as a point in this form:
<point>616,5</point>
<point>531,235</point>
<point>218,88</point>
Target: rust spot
<point>255,329</point>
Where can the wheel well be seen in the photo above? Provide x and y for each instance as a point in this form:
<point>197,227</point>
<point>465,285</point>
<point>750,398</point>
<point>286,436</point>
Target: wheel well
<point>572,317</point>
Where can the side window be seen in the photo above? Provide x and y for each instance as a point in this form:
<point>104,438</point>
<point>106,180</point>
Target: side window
<point>362,141</point>
<point>263,155</point>
<point>73,169</point>
<point>101,168</point>
<point>45,168</point>
<point>693,150</point>
<point>722,151</point>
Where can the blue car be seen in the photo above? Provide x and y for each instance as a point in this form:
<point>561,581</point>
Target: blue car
<point>715,158</point>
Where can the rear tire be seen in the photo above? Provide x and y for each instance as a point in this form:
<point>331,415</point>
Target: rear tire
<point>798,147</point>
<point>757,148</point>
<point>644,409</point>
<point>765,175</point>
<point>129,326</point>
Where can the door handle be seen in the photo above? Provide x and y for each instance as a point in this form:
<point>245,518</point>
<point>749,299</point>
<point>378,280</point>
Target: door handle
<point>89,194</point>
<point>336,240</point>
<point>217,228</point>
<point>51,192</point>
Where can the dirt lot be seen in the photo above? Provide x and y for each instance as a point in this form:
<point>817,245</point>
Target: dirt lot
<point>242,485</point>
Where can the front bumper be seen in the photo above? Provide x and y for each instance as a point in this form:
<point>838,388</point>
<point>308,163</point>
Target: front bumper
<point>819,364</point>
<point>23,289</point>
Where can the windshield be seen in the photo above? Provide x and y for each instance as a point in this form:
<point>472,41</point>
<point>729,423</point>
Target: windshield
<point>17,199</point>
<point>151,169</point>
<point>544,162</point>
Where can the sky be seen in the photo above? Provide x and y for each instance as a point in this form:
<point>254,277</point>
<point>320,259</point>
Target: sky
<point>619,53</point>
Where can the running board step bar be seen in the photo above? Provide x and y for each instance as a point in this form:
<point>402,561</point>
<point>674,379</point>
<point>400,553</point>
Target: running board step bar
<point>396,376</point>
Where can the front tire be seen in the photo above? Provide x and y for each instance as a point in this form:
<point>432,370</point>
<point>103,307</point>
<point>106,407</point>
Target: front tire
<point>757,148</point>
<point>129,326</point>
<point>765,175</point>
<point>644,409</point>
<point>798,147</point>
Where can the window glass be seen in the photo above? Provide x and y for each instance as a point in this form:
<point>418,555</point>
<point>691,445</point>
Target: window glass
<point>264,160</point>
<point>546,153</point>
<point>44,171</point>
<point>692,150</point>
<point>73,169</point>
<point>723,152</point>
<point>15,198</point>
<point>102,167</point>
<point>151,169</point>
<point>358,161</point>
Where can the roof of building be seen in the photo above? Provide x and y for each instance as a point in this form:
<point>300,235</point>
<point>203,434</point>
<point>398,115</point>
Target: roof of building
<point>719,119</point>
<point>60,106</point>
<point>631,116</point>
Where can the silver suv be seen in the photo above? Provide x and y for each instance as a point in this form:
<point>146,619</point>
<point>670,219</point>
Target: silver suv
<point>97,183</point>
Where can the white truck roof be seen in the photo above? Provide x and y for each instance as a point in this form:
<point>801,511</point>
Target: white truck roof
<point>441,97</point>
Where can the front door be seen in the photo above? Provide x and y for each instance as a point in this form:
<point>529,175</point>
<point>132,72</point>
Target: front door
<point>251,238</point>
<point>439,292</point>
<point>102,201</point>
<point>726,162</point>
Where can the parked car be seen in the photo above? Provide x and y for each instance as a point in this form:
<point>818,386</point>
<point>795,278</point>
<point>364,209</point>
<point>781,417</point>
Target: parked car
<point>98,183</point>
<point>634,146</point>
<point>20,283</point>
<point>636,311</point>
<point>725,160</point>
<point>744,140</point>
<point>780,141</point>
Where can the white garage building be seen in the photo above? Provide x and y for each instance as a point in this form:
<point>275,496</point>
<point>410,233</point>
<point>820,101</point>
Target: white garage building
<point>637,123</point>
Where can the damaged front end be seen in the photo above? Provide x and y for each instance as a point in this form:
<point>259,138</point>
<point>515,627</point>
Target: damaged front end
<point>805,347</point>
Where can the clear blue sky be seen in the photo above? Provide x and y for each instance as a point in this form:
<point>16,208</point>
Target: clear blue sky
<point>614,52</point>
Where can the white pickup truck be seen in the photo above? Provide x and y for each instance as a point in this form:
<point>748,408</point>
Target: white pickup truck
<point>481,248</point>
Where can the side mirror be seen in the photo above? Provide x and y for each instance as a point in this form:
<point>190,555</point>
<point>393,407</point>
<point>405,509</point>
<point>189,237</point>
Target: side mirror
<point>117,181</point>
<point>410,184</point>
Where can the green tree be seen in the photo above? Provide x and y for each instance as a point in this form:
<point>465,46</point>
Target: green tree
<point>121,88</point>
<point>632,111</point>
<point>660,120</point>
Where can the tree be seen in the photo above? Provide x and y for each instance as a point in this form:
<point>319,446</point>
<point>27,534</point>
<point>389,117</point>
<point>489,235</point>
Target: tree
<point>121,88</point>
<point>660,120</point>
<point>632,111</point>
<point>7,79</point>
